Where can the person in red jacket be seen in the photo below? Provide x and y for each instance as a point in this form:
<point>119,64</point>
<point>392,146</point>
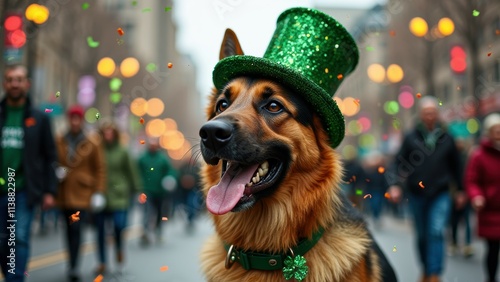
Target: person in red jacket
<point>482,182</point>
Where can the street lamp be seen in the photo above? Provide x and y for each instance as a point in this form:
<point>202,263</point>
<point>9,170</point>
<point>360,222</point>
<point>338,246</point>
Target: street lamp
<point>378,74</point>
<point>37,13</point>
<point>419,27</point>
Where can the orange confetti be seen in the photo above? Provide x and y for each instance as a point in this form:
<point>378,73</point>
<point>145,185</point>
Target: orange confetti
<point>340,76</point>
<point>164,218</point>
<point>163,268</point>
<point>98,278</point>
<point>421,185</point>
<point>75,217</point>
<point>381,169</point>
<point>141,120</point>
<point>419,95</point>
<point>120,31</point>
<point>489,54</point>
<point>170,65</point>
<point>392,33</point>
<point>356,101</point>
<point>387,195</point>
<point>142,198</point>
<point>367,196</point>
<point>142,142</point>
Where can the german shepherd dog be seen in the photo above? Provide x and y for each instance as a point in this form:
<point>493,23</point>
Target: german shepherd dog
<point>271,180</point>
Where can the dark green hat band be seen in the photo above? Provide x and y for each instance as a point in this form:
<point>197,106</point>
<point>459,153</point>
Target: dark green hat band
<point>310,53</point>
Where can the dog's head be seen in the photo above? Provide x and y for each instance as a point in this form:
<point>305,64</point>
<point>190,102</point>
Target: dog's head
<point>258,133</point>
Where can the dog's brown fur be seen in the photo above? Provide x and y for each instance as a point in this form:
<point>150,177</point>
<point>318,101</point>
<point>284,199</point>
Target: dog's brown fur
<point>307,198</point>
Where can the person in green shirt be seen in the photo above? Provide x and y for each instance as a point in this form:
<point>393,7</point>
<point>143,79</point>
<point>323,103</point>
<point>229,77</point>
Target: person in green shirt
<point>159,180</point>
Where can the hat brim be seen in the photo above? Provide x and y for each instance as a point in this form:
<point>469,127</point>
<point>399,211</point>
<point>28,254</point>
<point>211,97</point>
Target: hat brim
<point>319,100</point>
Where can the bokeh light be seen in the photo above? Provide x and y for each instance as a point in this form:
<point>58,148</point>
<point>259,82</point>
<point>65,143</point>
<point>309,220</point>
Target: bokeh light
<point>37,13</point>
<point>472,126</point>
<point>155,107</point>
<point>115,97</point>
<point>350,106</point>
<point>184,152</point>
<point>106,66</point>
<point>170,124</point>
<point>395,73</point>
<point>406,99</point>
<point>172,140</point>
<point>86,97</point>
<point>446,26</point>
<point>376,73</point>
<point>115,84</point>
<point>418,27</point>
<point>365,123</point>
<point>349,152</point>
<point>354,128</point>
<point>391,107</point>
<point>90,115</point>
<point>129,67</point>
<point>139,107</point>
<point>155,127</point>
<point>367,141</point>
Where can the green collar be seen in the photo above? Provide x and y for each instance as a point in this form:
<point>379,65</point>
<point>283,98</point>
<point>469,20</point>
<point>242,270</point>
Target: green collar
<point>265,261</point>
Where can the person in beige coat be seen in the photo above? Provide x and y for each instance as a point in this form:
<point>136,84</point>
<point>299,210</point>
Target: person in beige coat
<point>81,173</point>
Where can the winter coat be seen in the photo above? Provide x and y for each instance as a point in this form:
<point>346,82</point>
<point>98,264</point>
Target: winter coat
<point>482,178</point>
<point>122,177</point>
<point>85,172</point>
<point>154,167</point>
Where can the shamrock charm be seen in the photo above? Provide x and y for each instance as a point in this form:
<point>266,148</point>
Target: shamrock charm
<point>295,268</point>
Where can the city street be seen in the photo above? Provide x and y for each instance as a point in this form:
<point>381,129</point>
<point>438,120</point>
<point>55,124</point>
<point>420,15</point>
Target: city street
<point>179,252</point>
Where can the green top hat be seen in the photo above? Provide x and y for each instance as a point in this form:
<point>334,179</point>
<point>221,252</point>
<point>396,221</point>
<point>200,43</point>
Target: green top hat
<point>310,53</point>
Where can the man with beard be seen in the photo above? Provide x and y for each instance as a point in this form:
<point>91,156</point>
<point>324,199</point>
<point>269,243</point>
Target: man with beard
<point>27,160</point>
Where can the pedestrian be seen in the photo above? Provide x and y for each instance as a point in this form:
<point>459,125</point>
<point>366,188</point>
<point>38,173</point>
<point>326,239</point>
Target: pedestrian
<point>82,175</point>
<point>28,157</point>
<point>158,178</point>
<point>190,189</point>
<point>375,184</point>
<point>122,183</point>
<point>482,182</point>
<point>426,163</point>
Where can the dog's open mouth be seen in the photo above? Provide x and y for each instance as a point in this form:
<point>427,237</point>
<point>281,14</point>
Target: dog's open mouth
<point>240,184</point>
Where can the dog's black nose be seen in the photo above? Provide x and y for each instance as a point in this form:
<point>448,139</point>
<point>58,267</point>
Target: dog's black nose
<point>215,134</point>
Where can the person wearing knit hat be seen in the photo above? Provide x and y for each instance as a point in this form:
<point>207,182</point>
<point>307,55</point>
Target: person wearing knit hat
<point>482,185</point>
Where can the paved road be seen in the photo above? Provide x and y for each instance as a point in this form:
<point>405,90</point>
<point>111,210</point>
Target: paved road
<point>180,251</point>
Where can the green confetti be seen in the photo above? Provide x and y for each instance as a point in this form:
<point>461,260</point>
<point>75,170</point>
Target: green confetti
<point>440,103</point>
<point>85,6</point>
<point>369,48</point>
<point>359,192</point>
<point>91,42</point>
<point>295,268</point>
<point>152,168</point>
<point>394,249</point>
<point>475,13</point>
<point>2,181</point>
<point>97,116</point>
<point>146,10</point>
<point>134,3</point>
<point>151,67</point>
<point>168,9</point>
<point>58,94</point>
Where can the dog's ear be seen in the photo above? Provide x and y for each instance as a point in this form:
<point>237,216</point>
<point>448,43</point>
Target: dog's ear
<point>230,45</point>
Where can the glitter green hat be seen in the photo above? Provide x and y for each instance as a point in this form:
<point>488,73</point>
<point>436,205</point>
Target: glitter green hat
<point>310,53</point>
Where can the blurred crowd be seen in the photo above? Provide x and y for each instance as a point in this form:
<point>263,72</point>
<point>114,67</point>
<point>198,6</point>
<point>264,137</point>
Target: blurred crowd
<point>83,179</point>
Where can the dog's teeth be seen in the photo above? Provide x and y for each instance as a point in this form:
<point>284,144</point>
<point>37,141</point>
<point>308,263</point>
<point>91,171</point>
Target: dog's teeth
<point>261,172</point>
<point>257,177</point>
<point>265,165</point>
<point>249,184</point>
<point>254,179</point>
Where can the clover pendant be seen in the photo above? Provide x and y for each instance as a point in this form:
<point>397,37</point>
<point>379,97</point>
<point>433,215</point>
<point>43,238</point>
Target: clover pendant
<point>295,267</point>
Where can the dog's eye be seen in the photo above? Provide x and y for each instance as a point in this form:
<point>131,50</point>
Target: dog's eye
<point>274,107</point>
<point>221,106</point>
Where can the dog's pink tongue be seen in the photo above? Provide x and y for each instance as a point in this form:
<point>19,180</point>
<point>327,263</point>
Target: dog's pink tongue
<point>222,197</point>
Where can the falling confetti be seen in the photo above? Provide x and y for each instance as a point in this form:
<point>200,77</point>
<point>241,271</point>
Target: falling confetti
<point>26,274</point>
<point>58,94</point>
<point>419,95</point>
<point>75,217</point>
<point>119,41</point>
<point>340,76</point>
<point>394,249</point>
<point>151,67</point>
<point>142,198</point>
<point>392,33</point>
<point>367,196</point>
<point>440,103</point>
<point>142,142</point>
<point>120,31</point>
<point>97,115</point>
<point>91,42</point>
<point>49,110</point>
<point>421,185</point>
<point>2,181</point>
<point>164,218</point>
<point>168,9</point>
<point>170,65</point>
<point>359,192</point>
<point>152,168</point>
<point>85,6</point>
<point>356,101</point>
<point>98,278</point>
<point>369,48</point>
<point>489,54</point>
<point>387,195</point>
<point>163,268</point>
<point>475,13</point>
<point>381,169</point>
<point>145,10</point>
<point>141,121</point>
